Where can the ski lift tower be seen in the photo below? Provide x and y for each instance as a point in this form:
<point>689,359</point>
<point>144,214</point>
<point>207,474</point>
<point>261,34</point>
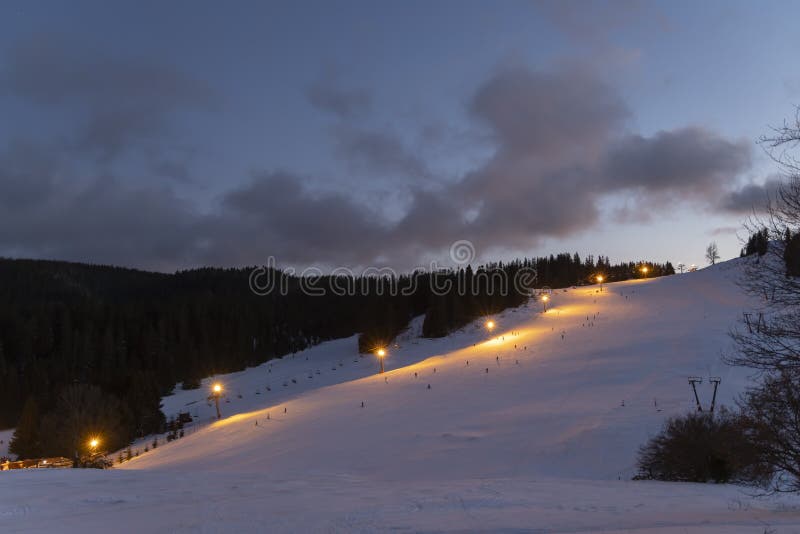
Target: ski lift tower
<point>714,380</point>
<point>694,380</point>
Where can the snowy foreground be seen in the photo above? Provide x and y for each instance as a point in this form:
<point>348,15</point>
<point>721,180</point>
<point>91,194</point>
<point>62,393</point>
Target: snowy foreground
<point>520,431</point>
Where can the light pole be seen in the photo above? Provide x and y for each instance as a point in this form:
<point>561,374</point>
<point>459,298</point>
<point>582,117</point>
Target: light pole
<point>381,354</point>
<point>92,445</point>
<point>216,392</point>
<point>644,270</point>
<point>599,279</point>
<point>545,299</point>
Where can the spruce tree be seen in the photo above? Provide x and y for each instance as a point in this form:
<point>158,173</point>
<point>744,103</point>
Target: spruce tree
<point>25,441</point>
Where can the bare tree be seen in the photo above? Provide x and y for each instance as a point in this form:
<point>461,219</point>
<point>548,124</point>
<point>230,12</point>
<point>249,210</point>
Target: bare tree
<point>712,253</point>
<point>770,416</point>
<point>768,338</point>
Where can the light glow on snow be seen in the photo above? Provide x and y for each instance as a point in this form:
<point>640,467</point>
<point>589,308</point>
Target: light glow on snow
<point>537,429</point>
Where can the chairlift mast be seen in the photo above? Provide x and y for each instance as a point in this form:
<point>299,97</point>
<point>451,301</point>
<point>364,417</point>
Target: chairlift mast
<point>714,380</point>
<point>694,380</point>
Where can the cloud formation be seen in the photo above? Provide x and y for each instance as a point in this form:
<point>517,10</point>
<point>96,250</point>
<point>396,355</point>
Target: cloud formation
<point>752,197</point>
<point>560,140</point>
<point>379,153</point>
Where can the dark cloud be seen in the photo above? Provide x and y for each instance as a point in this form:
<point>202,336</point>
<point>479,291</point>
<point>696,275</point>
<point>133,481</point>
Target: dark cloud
<point>687,161</point>
<point>275,215</point>
<point>562,146</point>
<point>376,152</point>
<point>48,212</point>
<point>750,198</point>
<point>569,111</point>
<point>560,142</point>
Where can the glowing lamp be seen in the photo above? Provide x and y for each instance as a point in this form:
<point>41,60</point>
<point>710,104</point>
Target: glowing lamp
<point>380,353</point>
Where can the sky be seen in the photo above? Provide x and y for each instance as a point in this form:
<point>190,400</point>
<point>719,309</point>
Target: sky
<point>170,135</point>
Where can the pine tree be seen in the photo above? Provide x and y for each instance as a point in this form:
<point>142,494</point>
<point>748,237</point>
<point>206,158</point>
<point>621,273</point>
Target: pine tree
<point>25,441</point>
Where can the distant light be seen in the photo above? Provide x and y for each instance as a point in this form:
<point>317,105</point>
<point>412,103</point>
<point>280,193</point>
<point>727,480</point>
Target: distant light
<point>545,298</point>
<point>600,278</point>
<point>644,269</point>
<point>94,443</point>
<point>217,388</point>
<point>381,353</point>
<point>490,325</point>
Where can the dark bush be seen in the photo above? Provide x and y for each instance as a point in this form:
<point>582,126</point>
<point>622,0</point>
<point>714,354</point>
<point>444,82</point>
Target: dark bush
<point>703,447</point>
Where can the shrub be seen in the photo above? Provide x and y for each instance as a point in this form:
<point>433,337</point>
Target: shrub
<point>703,447</point>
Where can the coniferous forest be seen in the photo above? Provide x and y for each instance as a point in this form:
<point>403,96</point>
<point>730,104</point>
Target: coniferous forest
<point>86,347</point>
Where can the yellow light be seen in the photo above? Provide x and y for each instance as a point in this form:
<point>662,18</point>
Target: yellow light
<point>644,270</point>
<point>381,353</point>
<point>489,324</point>
<point>600,278</point>
<point>545,298</point>
<point>94,443</point>
<point>217,388</point>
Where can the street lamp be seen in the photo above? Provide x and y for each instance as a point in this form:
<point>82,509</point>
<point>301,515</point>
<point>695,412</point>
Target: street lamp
<point>93,443</point>
<point>599,279</point>
<point>216,392</point>
<point>381,353</point>
<point>545,299</point>
<point>644,270</point>
<point>490,325</point>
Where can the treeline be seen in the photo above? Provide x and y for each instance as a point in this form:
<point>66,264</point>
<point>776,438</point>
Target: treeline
<point>758,243</point>
<point>87,348</point>
<point>496,287</point>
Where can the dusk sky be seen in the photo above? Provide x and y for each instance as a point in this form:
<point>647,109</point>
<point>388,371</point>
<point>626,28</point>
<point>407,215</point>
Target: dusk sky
<point>168,135</point>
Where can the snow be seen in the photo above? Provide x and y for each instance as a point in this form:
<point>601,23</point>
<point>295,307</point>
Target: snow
<point>5,438</point>
<point>546,440</point>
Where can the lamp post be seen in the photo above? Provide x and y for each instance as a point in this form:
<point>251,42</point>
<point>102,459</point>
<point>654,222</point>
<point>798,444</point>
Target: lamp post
<point>216,392</point>
<point>599,279</point>
<point>490,325</point>
<point>644,270</point>
<point>381,354</point>
<point>545,299</point>
<point>92,445</point>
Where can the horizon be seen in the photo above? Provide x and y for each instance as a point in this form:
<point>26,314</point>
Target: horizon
<point>311,271</point>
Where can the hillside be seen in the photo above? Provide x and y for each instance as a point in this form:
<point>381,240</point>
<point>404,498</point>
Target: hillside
<point>557,411</point>
<point>534,427</point>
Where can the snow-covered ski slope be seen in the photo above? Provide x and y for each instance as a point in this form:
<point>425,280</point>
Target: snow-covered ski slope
<point>533,427</point>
